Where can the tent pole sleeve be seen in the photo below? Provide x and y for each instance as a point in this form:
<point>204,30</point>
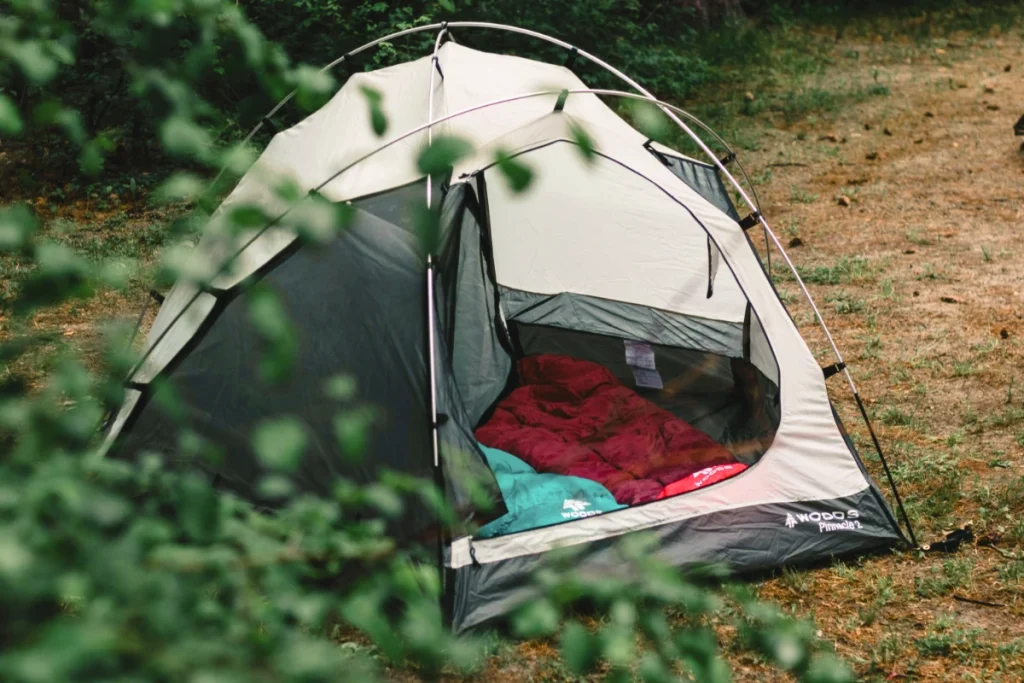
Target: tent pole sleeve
<point>885,467</point>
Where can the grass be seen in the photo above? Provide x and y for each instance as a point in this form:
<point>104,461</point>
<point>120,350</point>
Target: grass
<point>801,196</point>
<point>916,238</point>
<point>844,271</point>
<point>844,303</point>
<point>894,417</point>
<point>955,573</point>
<point>948,640</point>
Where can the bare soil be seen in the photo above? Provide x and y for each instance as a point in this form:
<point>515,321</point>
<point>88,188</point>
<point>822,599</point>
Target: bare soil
<point>932,331</point>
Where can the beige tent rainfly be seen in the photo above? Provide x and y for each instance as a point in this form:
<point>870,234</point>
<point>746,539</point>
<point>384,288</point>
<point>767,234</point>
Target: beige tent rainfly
<point>602,353</point>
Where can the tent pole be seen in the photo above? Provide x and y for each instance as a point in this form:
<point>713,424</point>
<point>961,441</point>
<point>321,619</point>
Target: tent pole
<point>672,112</point>
<point>222,268</point>
<point>888,474</point>
<point>431,361</point>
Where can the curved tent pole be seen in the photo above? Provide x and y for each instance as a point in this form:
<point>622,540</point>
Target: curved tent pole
<point>222,268</point>
<point>672,112</point>
<point>502,27</point>
<point>668,108</point>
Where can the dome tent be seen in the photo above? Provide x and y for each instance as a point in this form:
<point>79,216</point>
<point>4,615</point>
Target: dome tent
<point>628,270</point>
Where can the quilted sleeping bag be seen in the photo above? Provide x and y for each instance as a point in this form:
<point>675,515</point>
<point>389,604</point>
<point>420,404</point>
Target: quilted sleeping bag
<point>573,417</point>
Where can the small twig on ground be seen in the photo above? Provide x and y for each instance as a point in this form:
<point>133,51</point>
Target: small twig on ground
<point>1005,553</point>
<point>977,602</point>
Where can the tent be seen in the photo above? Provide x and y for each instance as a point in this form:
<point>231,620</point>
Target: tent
<point>600,354</point>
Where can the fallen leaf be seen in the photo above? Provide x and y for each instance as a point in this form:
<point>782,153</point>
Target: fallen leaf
<point>949,300</point>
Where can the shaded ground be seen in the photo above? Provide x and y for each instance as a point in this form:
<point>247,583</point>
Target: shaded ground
<point>920,279</point>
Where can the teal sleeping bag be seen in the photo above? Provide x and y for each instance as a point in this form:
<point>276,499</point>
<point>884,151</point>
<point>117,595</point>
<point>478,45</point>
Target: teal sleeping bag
<point>535,500</point>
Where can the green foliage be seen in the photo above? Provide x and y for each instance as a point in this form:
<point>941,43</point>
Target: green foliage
<point>442,154</point>
<point>518,174</point>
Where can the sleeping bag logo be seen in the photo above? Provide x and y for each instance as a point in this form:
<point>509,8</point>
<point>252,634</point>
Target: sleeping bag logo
<point>575,509</point>
<point>827,521</point>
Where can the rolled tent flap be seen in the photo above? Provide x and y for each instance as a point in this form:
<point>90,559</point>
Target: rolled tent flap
<point>714,259</point>
<point>472,319</point>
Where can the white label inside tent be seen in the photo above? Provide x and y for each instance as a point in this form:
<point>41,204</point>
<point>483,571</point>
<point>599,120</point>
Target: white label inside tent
<point>647,379</point>
<point>639,354</point>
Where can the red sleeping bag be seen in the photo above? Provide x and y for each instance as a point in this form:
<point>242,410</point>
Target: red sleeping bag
<point>573,417</point>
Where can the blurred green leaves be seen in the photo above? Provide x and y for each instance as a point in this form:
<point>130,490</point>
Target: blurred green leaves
<point>268,317</point>
<point>279,443</point>
<point>441,155</point>
<point>518,174</point>
<point>378,120</point>
<point>10,119</point>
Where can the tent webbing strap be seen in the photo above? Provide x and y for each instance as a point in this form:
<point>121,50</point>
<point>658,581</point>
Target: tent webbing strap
<point>750,221</point>
<point>562,97</point>
<point>649,146</point>
<point>570,60</point>
<point>731,156</point>
<point>885,467</point>
<point>437,66</point>
<point>834,369</point>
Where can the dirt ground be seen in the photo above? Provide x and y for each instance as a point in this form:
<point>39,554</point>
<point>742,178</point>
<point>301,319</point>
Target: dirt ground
<point>919,273</point>
<point>931,323</point>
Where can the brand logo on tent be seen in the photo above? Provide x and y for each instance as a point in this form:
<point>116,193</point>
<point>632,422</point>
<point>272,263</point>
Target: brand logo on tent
<point>575,509</point>
<point>833,520</point>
